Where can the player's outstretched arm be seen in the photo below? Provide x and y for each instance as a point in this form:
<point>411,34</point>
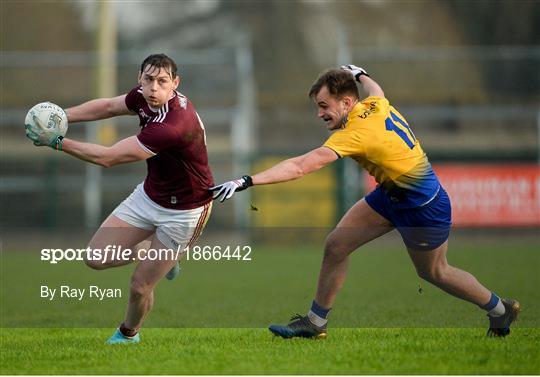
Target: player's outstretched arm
<point>287,170</point>
<point>296,167</point>
<point>101,108</point>
<point>126,150</point>
<point>368,84</point>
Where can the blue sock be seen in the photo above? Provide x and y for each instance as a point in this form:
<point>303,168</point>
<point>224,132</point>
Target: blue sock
<point>319,310</point>
<point>493,301</point>
<point>317,315</point>
<point>494,307</point>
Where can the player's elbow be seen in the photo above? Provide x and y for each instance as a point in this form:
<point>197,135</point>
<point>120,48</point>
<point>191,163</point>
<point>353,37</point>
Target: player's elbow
<point>105,163</point>
<point>110,108</point>
<point>294,168</point>
<point>304,167</point>
<point>300,171</point>
<point>108,160</point>
<point>112,157</point>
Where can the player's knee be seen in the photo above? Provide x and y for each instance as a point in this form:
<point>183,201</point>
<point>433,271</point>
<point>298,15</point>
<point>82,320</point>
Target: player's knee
<point>334,249</point>
<point>98,263</point>
<point>95,264</point>
<point>424,274</point>
<point>433,274</point>
<point>93,260</point>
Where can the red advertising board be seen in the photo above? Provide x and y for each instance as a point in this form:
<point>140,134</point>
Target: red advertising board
<point>491,195</point>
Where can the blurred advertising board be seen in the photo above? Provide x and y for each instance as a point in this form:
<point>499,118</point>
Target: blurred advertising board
<point>490,195</point>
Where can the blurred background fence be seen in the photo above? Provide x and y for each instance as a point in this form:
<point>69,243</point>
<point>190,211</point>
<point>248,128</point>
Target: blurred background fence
<point>465,74</point>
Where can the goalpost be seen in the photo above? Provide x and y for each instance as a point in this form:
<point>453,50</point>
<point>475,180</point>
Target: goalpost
<point>103,132</point>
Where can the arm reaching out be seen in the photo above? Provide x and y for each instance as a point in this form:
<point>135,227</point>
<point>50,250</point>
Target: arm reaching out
<point>97,109</point>
<point>286,170</point>
<point>368,84</point>
<point>296,167</point>
<point>126,150</point>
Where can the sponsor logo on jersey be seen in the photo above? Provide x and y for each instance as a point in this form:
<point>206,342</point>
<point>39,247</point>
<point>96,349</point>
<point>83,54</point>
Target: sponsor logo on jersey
<point>143,115</point>
<point>182,100</point>
<point>372,107</point>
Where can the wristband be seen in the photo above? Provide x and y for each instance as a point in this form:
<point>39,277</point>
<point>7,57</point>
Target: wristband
<point>57,144</point>
<point>357,77</point>
<point>248,180</point>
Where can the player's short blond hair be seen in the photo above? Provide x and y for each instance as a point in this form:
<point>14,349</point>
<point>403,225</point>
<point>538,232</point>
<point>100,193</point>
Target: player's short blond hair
<point>338,81</point>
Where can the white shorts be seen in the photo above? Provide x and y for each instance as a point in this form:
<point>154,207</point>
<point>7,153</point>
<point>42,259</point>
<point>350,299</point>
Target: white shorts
<point>174,228</point>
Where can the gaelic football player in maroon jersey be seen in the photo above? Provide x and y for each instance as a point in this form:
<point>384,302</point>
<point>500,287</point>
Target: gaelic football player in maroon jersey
<point>171,207</point>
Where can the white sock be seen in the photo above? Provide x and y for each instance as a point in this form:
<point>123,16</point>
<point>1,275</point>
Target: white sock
<point>316,320</point>
<point>498,310</point>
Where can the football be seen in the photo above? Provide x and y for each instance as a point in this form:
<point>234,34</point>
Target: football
<point>48,116</point>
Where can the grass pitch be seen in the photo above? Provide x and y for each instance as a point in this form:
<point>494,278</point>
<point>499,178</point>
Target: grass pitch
<point>211,320</point>
<point>256,351</point>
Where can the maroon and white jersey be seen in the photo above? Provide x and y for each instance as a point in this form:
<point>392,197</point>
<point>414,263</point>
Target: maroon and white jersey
<point>178,174</point>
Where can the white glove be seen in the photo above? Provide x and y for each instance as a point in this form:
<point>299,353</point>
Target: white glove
<point>226,190</point>
<point>355,71</point>
<point>42,136</point>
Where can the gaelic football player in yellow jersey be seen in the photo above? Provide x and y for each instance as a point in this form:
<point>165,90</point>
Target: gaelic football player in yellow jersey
<point>408,197</point>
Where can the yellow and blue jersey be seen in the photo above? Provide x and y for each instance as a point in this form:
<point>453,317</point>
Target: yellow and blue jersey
<point>379,138</point>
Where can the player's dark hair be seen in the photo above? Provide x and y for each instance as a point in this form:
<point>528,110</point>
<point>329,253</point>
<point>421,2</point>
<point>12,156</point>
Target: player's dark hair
<point>338,81</point>
<point>160,61</point>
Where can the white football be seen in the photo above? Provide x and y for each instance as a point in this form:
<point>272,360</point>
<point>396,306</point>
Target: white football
<point>48,116</point>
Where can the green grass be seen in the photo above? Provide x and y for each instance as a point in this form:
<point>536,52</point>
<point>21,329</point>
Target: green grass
<point>256,351</point>
<point>212,319</point>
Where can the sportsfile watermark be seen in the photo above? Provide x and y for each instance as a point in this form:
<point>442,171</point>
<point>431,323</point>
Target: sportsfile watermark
<point>119,254</point>
<point>252,280</point>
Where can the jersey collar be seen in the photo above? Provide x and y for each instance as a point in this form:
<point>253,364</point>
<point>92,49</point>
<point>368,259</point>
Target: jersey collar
<point>357,109</point>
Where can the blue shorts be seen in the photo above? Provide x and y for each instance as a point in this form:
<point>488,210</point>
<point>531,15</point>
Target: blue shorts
<point>422,228</point>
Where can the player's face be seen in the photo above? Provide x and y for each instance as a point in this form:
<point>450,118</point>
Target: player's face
<point>331,109</point>
<point>157,85</point>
